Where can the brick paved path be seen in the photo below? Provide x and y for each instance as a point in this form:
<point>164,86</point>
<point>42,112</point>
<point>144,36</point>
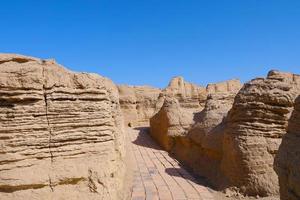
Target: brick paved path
<point>157,176</point>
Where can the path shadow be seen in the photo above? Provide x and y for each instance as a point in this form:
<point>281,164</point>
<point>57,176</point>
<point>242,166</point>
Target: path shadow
<point>144,139</point>
<point>187,174</point>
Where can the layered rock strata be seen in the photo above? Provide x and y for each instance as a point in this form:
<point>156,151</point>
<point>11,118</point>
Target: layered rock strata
<point>190,96</point>
<point>235,148</point>
<point>138,103</point>
<point>254,129</point>
<point>231,86</point>
<point>170,123</point>
<point>61,132</point>
<point>195,138</point>
<point>204,148</point>
<point>287,161</point>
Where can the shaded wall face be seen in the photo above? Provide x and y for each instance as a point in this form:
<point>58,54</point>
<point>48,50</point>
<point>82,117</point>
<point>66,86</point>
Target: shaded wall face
<point>195,138</point>
<point>201,148</point>
<point>287,160</point>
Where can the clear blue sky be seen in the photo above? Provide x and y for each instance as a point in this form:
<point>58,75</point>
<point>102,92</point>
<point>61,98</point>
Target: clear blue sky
<point>149,41</point>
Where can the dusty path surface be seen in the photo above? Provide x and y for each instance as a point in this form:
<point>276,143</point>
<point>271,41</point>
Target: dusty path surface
<point>157,176</point>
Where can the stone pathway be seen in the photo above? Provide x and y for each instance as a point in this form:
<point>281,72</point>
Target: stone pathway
<point>157,176</point>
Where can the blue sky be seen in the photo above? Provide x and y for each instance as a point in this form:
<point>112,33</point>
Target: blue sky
<point>142,42</point>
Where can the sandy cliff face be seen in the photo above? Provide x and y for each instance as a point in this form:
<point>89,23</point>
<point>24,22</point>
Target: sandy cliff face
<point>206,137</point>
<point>138,103</point>
<point>178,106</point>
<point>195,138</point>
<point>190,96</point>
<point>234,139</point>
<point>254,129</point>
<point>287,161</point>
<point>170,123</point>
<point>61,132</point>
<point>231,86</point>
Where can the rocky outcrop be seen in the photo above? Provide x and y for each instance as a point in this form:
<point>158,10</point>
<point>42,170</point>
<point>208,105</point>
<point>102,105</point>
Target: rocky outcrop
<point>230,86</point>
<point>287,161</point>
<point>234,149</point>
<point>138,103</point>
<point>195,138</point>
<point>170,123</point>
<point>190,96</point>
<point>61,132</point>
<point>206,138</point>
<point>254,128</point>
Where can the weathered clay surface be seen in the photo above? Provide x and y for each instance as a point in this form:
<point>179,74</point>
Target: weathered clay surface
<point>190,96</point>
<point>138,103</point>
<point>60,132</point>
<point>254,128</point>
<point>176,109</point>
<point>204,150</point>
<point>233,85</point>
<point>201,148</point>
<point>170,122</point>
<point>196,138</point>
<point>287,161</point>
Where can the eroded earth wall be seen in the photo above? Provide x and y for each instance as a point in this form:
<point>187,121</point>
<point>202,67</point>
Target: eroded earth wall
<point>254,129</point>
<point>287,161</point>
<point>60,132</point>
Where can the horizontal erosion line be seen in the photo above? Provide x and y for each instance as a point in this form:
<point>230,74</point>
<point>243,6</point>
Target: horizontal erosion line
<point>66,153</point>
<point>21,134</point>
<point>73,91</point>
<point>14,167</point>
<point>6,102</point>
<point>58,143</point>
<point>36,93</point>
<point>52,115</point>
<point>83,139</point>
<point>40,90</point>
<point>255,121</point>
<point>21,140</point>
<point>77,99</point>
<point>11,189</point>
<point>98,115</point>
<point>18,90</point>
<point>10,161</point>
<point>66,181</point>
<point>39,124</point>
<point>54,126</point>
<point>20,98</point>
